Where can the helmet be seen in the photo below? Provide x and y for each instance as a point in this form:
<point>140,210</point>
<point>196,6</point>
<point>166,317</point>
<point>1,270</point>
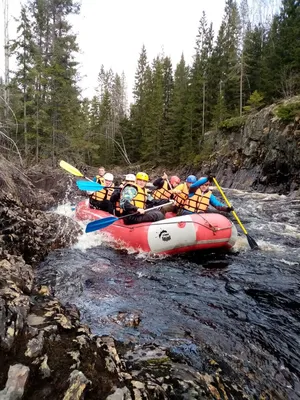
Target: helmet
<point>142,176</point>
<point>191,179</point>
<point>174,180</point>
<point>130,178</point>
<point>205,177</point>
<point>108,176</point>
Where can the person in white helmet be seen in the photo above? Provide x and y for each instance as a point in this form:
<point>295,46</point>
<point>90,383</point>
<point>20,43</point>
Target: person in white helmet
<point>115,197</point>
<point>101,199</point>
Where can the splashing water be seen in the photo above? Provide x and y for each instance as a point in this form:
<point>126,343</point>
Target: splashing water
<point>242,306</point>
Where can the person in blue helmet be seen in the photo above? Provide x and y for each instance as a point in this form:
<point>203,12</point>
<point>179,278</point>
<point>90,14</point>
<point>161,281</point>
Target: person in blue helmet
<point>182,193</point>
<point>200,197</point>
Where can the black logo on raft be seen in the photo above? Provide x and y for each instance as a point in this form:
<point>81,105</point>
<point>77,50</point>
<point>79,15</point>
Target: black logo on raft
<point>165,236</point>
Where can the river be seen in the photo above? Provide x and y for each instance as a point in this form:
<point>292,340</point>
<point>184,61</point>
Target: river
<point>240,308</point>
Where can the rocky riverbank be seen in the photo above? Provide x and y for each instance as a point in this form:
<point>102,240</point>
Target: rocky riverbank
<point>45,351</point>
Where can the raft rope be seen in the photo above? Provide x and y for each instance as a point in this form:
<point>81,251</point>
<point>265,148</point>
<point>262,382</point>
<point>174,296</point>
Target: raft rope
<point>210,227</point>
<point>213,228</point>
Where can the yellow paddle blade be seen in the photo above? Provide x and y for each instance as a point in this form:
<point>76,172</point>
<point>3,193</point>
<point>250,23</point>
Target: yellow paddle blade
<point>68,167</point>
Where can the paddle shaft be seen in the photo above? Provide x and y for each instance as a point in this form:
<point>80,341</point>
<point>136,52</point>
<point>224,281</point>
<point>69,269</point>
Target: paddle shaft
<point>105,222</point>
<point>229,205</point>
<point>147,209</point>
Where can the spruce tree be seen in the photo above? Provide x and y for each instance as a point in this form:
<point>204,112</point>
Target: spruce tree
<point>178,110</point>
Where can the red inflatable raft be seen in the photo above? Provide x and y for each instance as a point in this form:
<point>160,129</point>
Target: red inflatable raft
<point>172,235</point>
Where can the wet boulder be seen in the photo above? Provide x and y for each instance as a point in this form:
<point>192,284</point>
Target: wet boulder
<point>33,233</point>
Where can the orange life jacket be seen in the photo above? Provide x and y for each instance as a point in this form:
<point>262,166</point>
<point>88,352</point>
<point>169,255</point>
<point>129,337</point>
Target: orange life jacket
<point>100,179</point>
<point>180,198</point>
<point>103,194</point>
<point>162,193</point>
<point>199,202</point>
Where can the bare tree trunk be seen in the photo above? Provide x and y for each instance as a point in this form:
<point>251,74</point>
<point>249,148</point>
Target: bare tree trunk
<point>6,70</point>
<point>221,102</point>
<point>25,122</point>
<point>203,107</point>
<point>25,106</point>
<point>54,126</point>
<point>241,83</point>
<point>37,141</point>
<point>54,94</point>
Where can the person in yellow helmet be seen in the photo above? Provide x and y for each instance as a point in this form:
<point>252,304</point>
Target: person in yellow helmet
<point>135,199</point>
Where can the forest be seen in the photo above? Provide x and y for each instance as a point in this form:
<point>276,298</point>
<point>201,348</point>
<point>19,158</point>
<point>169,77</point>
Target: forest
<point>247,64</point>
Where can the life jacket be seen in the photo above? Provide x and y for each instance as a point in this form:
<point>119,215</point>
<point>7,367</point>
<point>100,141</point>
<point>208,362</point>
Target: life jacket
<point>162,193</point>
<point>100,179</point>
<point>180,198</point>
<point>199,202</point>
<point>140,199</point>
<point>103,194</point>
<point>118,208</point>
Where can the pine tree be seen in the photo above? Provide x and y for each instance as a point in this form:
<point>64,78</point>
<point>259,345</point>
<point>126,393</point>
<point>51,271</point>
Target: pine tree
<point>178,110</point>
<point>232,69</point>
<point>167,134</point>
<point>254,44</point>
<point>47,76</point>
<point>139,110</point>
<point>245,24</point>
<point>288,47</point>
<point>24,77</point>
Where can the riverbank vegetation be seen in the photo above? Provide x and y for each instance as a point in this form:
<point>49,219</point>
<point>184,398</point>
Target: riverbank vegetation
<point>248,63</point>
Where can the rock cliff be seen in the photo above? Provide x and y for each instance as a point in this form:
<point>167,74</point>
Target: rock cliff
<point>264,154</point>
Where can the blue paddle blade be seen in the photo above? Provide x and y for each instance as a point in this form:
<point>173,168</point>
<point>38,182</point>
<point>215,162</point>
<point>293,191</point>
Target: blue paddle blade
<point>100,224</point>
<point>89,186</point>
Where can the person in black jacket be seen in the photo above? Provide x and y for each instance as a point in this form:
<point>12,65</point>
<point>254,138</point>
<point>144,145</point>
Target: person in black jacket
<point>163,192</point>
<point>115,197</point>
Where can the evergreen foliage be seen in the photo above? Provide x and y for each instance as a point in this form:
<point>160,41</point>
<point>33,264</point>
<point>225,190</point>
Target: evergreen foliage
<point>288,112</point>
<point>242,67</point>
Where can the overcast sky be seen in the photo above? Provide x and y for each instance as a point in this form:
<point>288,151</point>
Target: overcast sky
<point>112,33</point>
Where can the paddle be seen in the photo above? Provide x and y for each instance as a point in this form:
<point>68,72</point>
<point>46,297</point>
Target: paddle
<point>104,222</point>
<point>251,241</point>
<point>168,182</point>
<point>74,171</point>
<point>93,186</point>
<point>89,186</point>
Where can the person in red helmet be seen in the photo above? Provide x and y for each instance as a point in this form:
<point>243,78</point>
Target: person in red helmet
<point>164,187</point>
<point>164,191</point>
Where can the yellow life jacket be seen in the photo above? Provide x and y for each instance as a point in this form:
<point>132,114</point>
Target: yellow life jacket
<point>140,199</point>
<point>199,202</point>
<point>162,193</point>
<point>103,194</point>
<point>100,179</point>
<point>180,198</point>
